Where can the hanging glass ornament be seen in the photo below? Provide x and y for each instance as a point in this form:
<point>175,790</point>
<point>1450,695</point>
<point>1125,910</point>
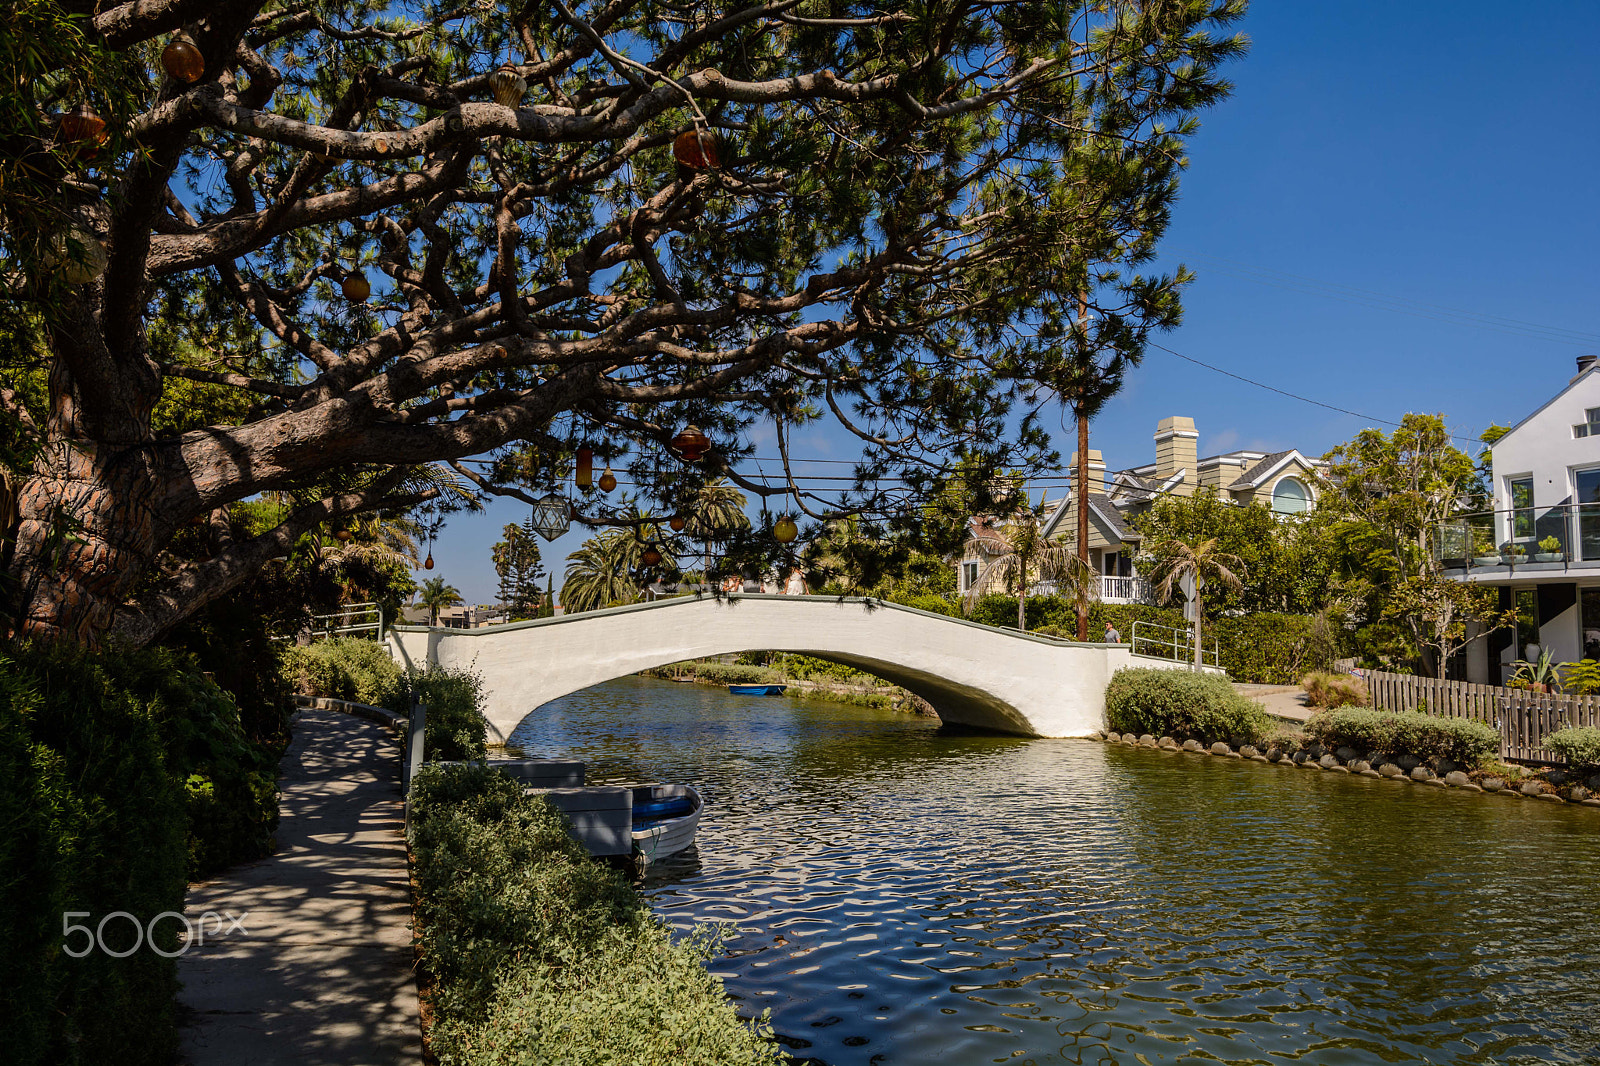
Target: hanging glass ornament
<point>552,516</point>
<point>584,476</point>
<point>677,523</point>
<point>356,287</point>
<point>181,58</point>
<point>608,480</point>
<point>83,128</point>
<point>77,255</point>
<point>650,556</point>
<point>696,149</point>
<point>691,444</point>
<point>507,86</point>
<point>784,530</point>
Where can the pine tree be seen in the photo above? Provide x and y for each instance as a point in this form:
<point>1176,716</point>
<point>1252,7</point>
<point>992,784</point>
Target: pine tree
<point>516,560</point>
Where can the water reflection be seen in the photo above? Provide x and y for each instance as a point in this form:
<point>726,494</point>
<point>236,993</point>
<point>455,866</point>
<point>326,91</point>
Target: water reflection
<point>898,894</point>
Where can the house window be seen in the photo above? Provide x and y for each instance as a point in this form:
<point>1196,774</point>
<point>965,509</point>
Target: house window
<point>1590,426</point>
<point>1522,508</point>
<point>1586,484</point>
<point>1289,496</point>
<point>969,575</point>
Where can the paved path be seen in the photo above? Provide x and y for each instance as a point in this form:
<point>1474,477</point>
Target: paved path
<point>323,973</point>
<point>1280,701</point>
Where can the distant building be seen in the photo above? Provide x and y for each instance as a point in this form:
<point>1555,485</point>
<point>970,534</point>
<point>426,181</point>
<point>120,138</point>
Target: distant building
<point>1283,481</point>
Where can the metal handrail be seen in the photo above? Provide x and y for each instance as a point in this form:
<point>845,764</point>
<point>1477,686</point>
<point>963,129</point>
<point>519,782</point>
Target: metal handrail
<point>1183,643</point>
<point>353,618</point>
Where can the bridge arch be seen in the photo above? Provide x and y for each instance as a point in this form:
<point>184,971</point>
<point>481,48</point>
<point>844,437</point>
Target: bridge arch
<point>970,674</point>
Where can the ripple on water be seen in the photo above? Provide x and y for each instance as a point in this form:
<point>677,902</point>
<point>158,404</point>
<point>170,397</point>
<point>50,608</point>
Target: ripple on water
<point>896,894</point>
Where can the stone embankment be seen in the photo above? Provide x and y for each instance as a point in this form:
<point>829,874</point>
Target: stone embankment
<point>1551,785</point>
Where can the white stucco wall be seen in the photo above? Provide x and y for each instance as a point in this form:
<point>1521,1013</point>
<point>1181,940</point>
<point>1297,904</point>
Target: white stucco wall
<point>972,674</point>
<point>1542,445</point>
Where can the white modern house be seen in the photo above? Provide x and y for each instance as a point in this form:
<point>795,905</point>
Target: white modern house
<point>1540,547</point>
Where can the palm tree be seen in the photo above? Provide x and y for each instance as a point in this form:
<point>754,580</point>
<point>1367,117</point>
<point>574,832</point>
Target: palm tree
<point>436,594</point>
<point>1031,556</point>
<point>1204,563</point>
<point>715,510</point>
<point>600,572</point>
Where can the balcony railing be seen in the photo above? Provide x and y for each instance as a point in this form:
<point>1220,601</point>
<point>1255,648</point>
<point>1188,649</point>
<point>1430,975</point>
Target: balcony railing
<point>1564,535</point>
<point>1112,589</point>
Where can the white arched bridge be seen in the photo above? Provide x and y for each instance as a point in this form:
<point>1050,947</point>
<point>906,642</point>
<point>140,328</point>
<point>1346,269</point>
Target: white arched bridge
<point>971,674</point>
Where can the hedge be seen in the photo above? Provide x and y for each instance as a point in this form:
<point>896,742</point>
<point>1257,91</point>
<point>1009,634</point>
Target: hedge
<point>1183,705</point>
<point>456,727</point>
<point>1423,736</point>
<point>538,953</point>
<point>345,668</point>
<point>1580,746</point>
<point>120,774</point>
<point>1263,648</point>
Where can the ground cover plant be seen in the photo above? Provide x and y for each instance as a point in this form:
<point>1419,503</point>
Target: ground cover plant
<point>1427,737</point>
<point>1580,746</point>
<point>537,953</point>
<point>1335,690</point>
<point>1183,705</point>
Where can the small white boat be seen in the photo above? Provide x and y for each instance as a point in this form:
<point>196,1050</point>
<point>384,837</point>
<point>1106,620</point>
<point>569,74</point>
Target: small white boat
<point>664,819</point>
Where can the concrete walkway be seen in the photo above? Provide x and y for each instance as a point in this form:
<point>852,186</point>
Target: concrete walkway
<point>321,973</point>
<point>1280,701</point>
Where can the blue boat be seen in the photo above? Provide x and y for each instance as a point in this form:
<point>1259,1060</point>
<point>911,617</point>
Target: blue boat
<point>757,690</point>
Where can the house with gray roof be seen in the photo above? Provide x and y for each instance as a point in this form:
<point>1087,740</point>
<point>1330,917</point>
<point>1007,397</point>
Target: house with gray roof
<point>1283,481</point>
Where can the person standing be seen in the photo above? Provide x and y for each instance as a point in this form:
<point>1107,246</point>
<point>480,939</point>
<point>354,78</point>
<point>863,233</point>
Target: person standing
<point>1112,636</point>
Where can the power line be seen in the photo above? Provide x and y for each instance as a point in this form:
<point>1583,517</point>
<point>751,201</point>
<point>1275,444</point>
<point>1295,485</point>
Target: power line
<point>1297,396</point>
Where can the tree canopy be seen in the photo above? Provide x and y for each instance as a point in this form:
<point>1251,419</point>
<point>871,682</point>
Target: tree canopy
<point>401,235</point>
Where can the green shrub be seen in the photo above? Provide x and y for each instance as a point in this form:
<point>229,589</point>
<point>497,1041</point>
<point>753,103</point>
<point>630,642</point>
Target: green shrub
<point>454,698</point>
<point>541,954</point>
<point>345,668</point>
<point>1335,690</point>
<point>725,674</point>
<point>1579,746</point>
<point>1183,705</point>
<point>94,821</point>
<point>1424,736</point>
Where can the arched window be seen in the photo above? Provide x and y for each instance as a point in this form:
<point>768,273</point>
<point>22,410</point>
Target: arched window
<point>1289,496</point>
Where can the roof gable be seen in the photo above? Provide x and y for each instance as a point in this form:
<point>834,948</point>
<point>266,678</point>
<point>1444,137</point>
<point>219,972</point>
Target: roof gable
<point>1579,378</point>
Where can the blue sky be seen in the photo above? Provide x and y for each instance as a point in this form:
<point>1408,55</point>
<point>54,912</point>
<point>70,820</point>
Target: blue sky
<point>1441,156</point>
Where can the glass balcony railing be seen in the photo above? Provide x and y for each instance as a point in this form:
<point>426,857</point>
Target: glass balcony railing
<point>1526,536</point>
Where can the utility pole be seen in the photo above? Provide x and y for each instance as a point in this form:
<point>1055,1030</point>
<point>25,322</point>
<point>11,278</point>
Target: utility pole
<point>1082,486</point>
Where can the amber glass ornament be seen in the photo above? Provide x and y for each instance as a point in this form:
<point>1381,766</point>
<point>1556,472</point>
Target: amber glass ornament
<point>182,59</point>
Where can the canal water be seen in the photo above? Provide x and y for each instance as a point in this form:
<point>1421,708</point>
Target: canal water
<point>896,892</point>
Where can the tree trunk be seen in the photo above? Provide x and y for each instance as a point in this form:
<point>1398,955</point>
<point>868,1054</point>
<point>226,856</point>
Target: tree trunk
<point>88,528</point>
<point>1022,600</point>
<point>1199,615</point>
<point>1083,528</point>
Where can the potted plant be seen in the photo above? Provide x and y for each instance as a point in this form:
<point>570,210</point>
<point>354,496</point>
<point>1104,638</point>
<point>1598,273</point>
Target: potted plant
<point>1483,553</point>
<point>1512,553</point>
<point>1549,551</point>
<point>1542,675</point>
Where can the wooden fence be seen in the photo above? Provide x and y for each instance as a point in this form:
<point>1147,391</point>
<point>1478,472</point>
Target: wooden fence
<point>1523,717</point>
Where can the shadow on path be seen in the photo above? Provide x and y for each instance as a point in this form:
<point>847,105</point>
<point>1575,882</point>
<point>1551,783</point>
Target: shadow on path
<point>321,973</point>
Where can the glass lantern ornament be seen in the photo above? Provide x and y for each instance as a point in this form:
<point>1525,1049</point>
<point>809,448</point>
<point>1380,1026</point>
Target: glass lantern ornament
<point>552,516</point>
<point>784,530</point>
<point>356,288</point>
<point>84,129</point>
<point>427,564</point>
<point>342,536</point>
<point>696,149</point>
<point>650,557</point>
<point>608,480</point>
<point>507,86</point>
<point>182,60</point>
<point>77,255</point>
<point>677,523</point>
<point>583,476</point>
<point>691,444</point>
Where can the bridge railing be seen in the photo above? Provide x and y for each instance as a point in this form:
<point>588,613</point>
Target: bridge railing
<point>1165,642</point>
<point>355,620</point>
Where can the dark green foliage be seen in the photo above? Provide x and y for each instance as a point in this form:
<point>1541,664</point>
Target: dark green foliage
<point>542,955</point>
<point>1579,746</point>
<point>454,698</point>
<point>94,821</point>
<point>1425,736</point>
<point>1183,705</point>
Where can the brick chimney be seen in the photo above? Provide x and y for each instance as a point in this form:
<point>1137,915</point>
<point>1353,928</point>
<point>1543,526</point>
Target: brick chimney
<point>1178,448</point>
<point>1097,471</point>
